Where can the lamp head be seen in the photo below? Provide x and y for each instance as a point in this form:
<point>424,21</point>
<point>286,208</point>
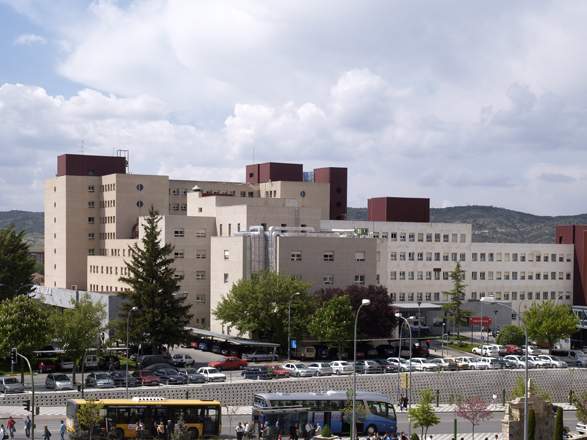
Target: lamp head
<point>398,315</point>
<point>134,309</point>
<point>365,302</point>
<point>411,318</point>
<point>296,294</point>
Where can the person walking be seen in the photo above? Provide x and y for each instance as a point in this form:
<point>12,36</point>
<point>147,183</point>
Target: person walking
<point>240,431</point>
<point>160,430</point>
<point>3,434</point>
<point>46,433</point>
<point>28,424</point>
<point>62,431</point>
<point>10,426</point>
<point>140,429</point>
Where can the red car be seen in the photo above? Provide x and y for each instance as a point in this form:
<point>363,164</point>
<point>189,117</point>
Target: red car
<point>513,349</point>
<point>229,363</point>
<point>147,378</point>
<point>278,372</point>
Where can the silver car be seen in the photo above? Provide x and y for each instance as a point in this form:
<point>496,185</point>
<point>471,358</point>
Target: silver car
<point>99,380</point>
<point>10,385</point>
<point>322,368</point>
<point>58,382</point>
<point>299,370</point>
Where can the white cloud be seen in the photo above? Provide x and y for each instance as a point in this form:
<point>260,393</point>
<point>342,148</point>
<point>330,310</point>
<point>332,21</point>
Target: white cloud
<point>29,40</point>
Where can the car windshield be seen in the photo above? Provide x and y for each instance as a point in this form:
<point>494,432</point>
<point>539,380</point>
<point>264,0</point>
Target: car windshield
<point>300,366</point>
<point>212,370</point>
<point>61,377</point>
<point>102,376</point>
<point>170,372</point>
<point>190,371</point>
<point>10,380</point>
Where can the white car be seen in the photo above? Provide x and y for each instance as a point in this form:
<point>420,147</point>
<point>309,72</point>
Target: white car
<point>532,349</point>
<point>299,370</point>
<point>553,361</point>
<point>212,374</point>
<point>486,350</point>
<point>515,360</point>
<point>471,362</point>
<point>321,368</point>
<point>423,364</point>
<point>501,350</point>
<point>540,362</point>
<point>341,367</point>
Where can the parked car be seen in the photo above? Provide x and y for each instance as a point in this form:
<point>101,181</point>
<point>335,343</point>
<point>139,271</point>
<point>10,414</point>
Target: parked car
<point>571,357</point>
<point>192,375</point>
<point>152,359</point>
<point>10,385</point>
<point>532,349</point>
<point>58,381</point>
<point>321,368</point>
<point>182,360</point>
<point>99,380</point>
<point>259,356</point>
<point>553,361</point>
<point>212,374</point>
<point>278,372</point>
<point>472,362</point>
<point>501,350</point>
<point>513,349</point>
<point>229,363</point>
<point>539,362</point>
<point>119,378</point>
<point>422,364</point>
<point>146,378</point>
<point>494,363</point>
<point>299,370</point>
<point>388,367</point>
<point>258,372</point>
<point>486,350</point>
<point>341,367</point>
<point>170,376</point>
<point>444,364</point>
<point>514,360</point>
<point>368,367</point>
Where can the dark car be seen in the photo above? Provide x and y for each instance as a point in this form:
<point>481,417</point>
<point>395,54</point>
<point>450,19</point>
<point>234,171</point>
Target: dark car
<point>388,367</point>
<point>119,378</point>
<point>368,367</point>
<point>259,372</point>
<point>192,375</point>
<point>146,378</point>
<point>161,366</point>
<point>150,359</point>
<point>170,376</point>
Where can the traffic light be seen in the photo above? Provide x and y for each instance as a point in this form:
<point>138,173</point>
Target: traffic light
<point>13,356</point>
<point>26,405</point>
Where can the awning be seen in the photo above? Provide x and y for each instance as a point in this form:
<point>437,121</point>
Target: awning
<point>414,306</point>
<point>230,339</point>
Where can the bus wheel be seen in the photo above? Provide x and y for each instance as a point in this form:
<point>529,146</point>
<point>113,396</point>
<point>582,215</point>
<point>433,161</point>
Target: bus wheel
<point>119,434</point>
<point>193,434</point>
<point>371,429</point>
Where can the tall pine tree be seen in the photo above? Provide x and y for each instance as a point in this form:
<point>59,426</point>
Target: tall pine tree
<point>16,264</point>
<point>454,307</point>
<point>162,313</point>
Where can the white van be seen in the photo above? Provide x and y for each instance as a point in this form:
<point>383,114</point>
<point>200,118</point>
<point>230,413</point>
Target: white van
<point>571,357</point>
<point>305,353</point>
<point>91,361</point>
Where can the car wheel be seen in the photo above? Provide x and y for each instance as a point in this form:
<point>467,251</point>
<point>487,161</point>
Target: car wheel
<point>371,429</point>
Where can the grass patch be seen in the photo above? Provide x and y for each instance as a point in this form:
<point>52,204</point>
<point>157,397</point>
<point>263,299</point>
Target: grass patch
<point>461,346</point>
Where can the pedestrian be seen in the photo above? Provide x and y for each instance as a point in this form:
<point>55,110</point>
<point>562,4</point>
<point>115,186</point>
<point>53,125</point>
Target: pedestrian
<point>496,436</point>
<point>240,431</point>
<point>170,428</point>
<point>28,424</point>
<point>293,432</point>
<point>308,430</point>
<point>3,434</point>
<point>403,436</point>
<point>10,426</point>
<point>161,430</point>
<point>46,433</point>
<point>401,402</point>
<point>62,431</point>
<point>140,429</point>
<point>248,430</point>
<point>318,429</point>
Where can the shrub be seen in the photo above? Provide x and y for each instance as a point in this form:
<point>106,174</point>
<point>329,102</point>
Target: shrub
<point>325,432</point>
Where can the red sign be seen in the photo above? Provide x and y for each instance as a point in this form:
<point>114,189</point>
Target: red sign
<point>480,320</point>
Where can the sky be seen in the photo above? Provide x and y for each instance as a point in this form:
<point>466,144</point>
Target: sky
<point>466,103</point>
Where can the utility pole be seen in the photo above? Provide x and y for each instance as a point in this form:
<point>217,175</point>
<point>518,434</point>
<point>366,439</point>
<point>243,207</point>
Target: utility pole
<point>14,354</point>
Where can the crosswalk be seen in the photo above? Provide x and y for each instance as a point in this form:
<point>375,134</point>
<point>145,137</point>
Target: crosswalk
<point>466,436</point>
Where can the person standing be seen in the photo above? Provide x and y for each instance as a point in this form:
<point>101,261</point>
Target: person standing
<point>10,426</point>
<point>46,433</point>
<point>28,424</point>
<point>3,434</point>
<point>62,431</point>
<point>240,431</point>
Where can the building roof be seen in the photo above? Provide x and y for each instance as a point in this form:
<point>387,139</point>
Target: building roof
<point>231,339</point>
<point>414,306</point>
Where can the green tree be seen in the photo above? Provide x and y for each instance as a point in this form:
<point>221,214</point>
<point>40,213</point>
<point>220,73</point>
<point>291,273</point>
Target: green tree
<point>16,264</point>
<point>531,424</point>
<point>162,312</point>
<point>580,403</point>
<point>511,334</point>
<point>79,328</point>
<point>423,416</point>
<point>333,321</point>
<point>454,307</point>
<point>259,305</point>
<point>519,390</point>
<point>558,424</point>
<point>24,324</point>
<point>89,416</point>
<point>548,322</point>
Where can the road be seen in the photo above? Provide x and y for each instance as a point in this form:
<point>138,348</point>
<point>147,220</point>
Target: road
<point>440,431</point>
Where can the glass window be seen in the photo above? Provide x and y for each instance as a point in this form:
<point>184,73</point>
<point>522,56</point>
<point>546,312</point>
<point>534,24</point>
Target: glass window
<point>360,256</point>
<point>294,256</point>
<point>328,256</point>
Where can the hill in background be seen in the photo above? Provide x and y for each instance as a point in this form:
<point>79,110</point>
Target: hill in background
<point>495,225</point>
<point>490,224</point>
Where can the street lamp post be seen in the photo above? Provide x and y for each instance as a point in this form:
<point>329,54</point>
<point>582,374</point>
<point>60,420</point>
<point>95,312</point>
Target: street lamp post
<point>488,299</point>
<point>494,323</point>
<point>442,337</point>
<point>133,309</point>
<point>289,325</point>
<point>419,319</point>
<point>364,302</point>
<point>405,321</point>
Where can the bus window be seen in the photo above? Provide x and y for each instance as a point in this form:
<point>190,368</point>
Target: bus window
<point>378,408</point>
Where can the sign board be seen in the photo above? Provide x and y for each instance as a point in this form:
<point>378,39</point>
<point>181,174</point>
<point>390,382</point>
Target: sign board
<point>404,381</point>
<point>480,320</point>
<point>294,343</point>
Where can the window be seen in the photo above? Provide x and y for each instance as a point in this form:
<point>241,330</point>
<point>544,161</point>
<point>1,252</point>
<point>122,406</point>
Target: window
<point>200,254</point>
<point>454,238</point>
<point>328,256</point>
<point>393,256</point>
<point>393,275</point>
<point>359,280</point>
<point>429,275</point>
<point>522,258</point>
<point>200,275</point>
<point>293,256</point>
<point>220,229</point>
<point>429,238</point>
<point>410,256</point>
<point>201,233</point>
<point>473,276</point>
<point>179,233</point>
<point>428,296</point>
<point>453,256</point>
<point>402,236</point>
<point>436,296</point>
<point>463,238</point>
<point>92,236</point>
<point>91,252</point>
<point>445,238</point>
<point>402,276</point>
<point>490,256</point>
<point>474,256</point>
<point>178,253</point>
<point>91,204</point>
<point>402,296</point>
<point>328,280</point>
<point>411,296</point>
<point>462,256</point>
<point>445,276</point>
<point>91,220</point>
<point>482,256</point>
<point>402,256</point>
<point>411,237</point>
<point>91,188</point>
<point>384,235</point>
<point>514,258</point>
<point>420,276</point>
<point>445,256</point>
<point>411,276</point>
<point>436,256</point>
<point>225,278</point>
<point>420,256</point>
<point>482,276</point>
<point>428,256</point>
<point>553,258</point>
<point>514,276</point>
<point>393,236</point>
<point>360,256</point>
<point>474,295</point>
<point>420,236</point>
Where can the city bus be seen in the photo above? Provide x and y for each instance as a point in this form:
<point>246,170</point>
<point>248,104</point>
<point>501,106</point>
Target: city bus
<point>375,412</point>
<point>202,418</point>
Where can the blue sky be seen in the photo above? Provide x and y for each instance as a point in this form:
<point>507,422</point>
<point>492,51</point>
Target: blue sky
<point>462,102</point>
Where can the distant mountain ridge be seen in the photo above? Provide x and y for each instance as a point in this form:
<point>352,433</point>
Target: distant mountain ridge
<point>490,224</point>
<point>496,225</point>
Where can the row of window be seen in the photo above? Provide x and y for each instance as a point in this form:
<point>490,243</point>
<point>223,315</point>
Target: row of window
<point>180,233</point>
<point>229,229</point>
<point>521,276</point>
<point>422,237</point>
<point>178,191</point>
<point>103,204</point>
<point>103,220</point>
<point>108,270</point>
<point>515,257</point>
<point>427,256</point>
<point>178,207</point>
<point>328,280</point>
<point>499,296</point>
<point>412,276</point>
<point>326,256</point>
